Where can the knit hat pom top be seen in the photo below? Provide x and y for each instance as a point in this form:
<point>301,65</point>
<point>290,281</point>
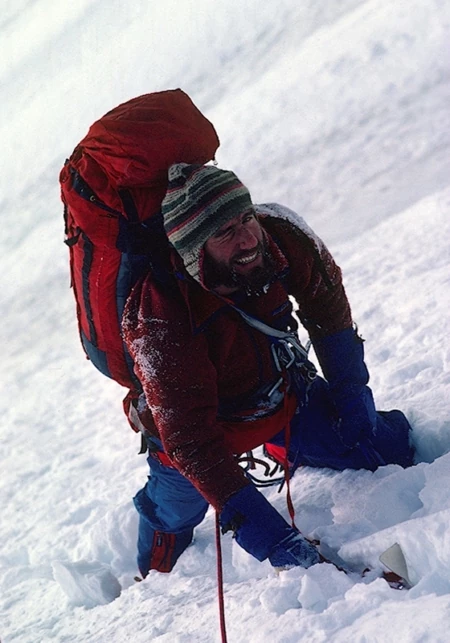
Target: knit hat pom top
<point>200,199</point>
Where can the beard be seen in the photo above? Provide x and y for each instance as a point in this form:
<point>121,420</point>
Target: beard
<point>254,282</point>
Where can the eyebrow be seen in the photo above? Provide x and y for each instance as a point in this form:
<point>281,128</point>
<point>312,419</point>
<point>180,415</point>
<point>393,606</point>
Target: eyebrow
<point>221,231</point>
<point>226,227</point>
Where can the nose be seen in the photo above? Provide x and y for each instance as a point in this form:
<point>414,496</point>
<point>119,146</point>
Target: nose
<point>246,240</point>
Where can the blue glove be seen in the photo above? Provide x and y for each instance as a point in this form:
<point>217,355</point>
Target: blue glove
<point>341,357</point>
<point>263,532</point>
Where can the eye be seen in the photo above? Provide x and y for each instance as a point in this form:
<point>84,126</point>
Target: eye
<point>249,216</point>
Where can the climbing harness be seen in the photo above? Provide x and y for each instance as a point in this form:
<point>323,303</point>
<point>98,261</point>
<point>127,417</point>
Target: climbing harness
<point>288,353</point>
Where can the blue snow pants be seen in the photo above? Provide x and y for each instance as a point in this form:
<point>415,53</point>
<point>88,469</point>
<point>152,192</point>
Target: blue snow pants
<point>170,507</point>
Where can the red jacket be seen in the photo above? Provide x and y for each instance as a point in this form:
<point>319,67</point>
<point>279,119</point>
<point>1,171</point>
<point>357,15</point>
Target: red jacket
<point>200,363</point>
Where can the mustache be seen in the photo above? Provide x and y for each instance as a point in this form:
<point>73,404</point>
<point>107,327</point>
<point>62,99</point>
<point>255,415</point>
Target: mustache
<point>259,248</point>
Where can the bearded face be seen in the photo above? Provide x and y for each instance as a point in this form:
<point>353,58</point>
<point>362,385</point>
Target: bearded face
<point>237,272</point>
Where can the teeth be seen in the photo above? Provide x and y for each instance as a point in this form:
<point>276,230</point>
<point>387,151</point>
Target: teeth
<point>248,259</point>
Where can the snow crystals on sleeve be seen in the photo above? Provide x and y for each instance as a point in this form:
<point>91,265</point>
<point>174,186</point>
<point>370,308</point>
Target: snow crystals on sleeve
<point>282,212</point>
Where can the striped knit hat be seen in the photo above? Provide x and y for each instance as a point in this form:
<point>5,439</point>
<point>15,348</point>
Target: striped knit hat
<point>200,199</point>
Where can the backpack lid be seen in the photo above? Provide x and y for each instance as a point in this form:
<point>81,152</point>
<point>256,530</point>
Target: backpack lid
<point>134,144</point>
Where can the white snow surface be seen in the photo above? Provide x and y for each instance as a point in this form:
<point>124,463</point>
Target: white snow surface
<point>337,109</point>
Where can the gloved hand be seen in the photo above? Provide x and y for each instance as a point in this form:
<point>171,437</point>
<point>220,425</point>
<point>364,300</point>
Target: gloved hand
<point>263,532</point>
<point>294,551</point>
<point>341,357</point>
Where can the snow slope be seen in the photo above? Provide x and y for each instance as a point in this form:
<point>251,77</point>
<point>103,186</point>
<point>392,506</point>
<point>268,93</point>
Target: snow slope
<point>338,109</point>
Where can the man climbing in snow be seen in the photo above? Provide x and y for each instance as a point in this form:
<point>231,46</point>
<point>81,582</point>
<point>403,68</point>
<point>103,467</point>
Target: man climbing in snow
<point>222,371</point>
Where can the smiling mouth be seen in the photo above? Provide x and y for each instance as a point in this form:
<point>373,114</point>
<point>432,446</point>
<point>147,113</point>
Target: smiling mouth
<point>247,259</point>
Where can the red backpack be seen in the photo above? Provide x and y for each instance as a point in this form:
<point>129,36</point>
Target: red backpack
<point>112,188</point>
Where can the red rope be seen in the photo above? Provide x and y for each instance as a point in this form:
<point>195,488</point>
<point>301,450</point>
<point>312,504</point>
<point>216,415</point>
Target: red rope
<point>291,510</point>
<point>287,477</point>
<point>220,581</point>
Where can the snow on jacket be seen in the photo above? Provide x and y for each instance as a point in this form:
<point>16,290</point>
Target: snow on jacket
<point>202,367</point>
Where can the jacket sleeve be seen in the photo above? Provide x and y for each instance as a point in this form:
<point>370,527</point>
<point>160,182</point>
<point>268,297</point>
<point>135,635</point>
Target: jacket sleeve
<point>180,386</point>
<point>315,281</point>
